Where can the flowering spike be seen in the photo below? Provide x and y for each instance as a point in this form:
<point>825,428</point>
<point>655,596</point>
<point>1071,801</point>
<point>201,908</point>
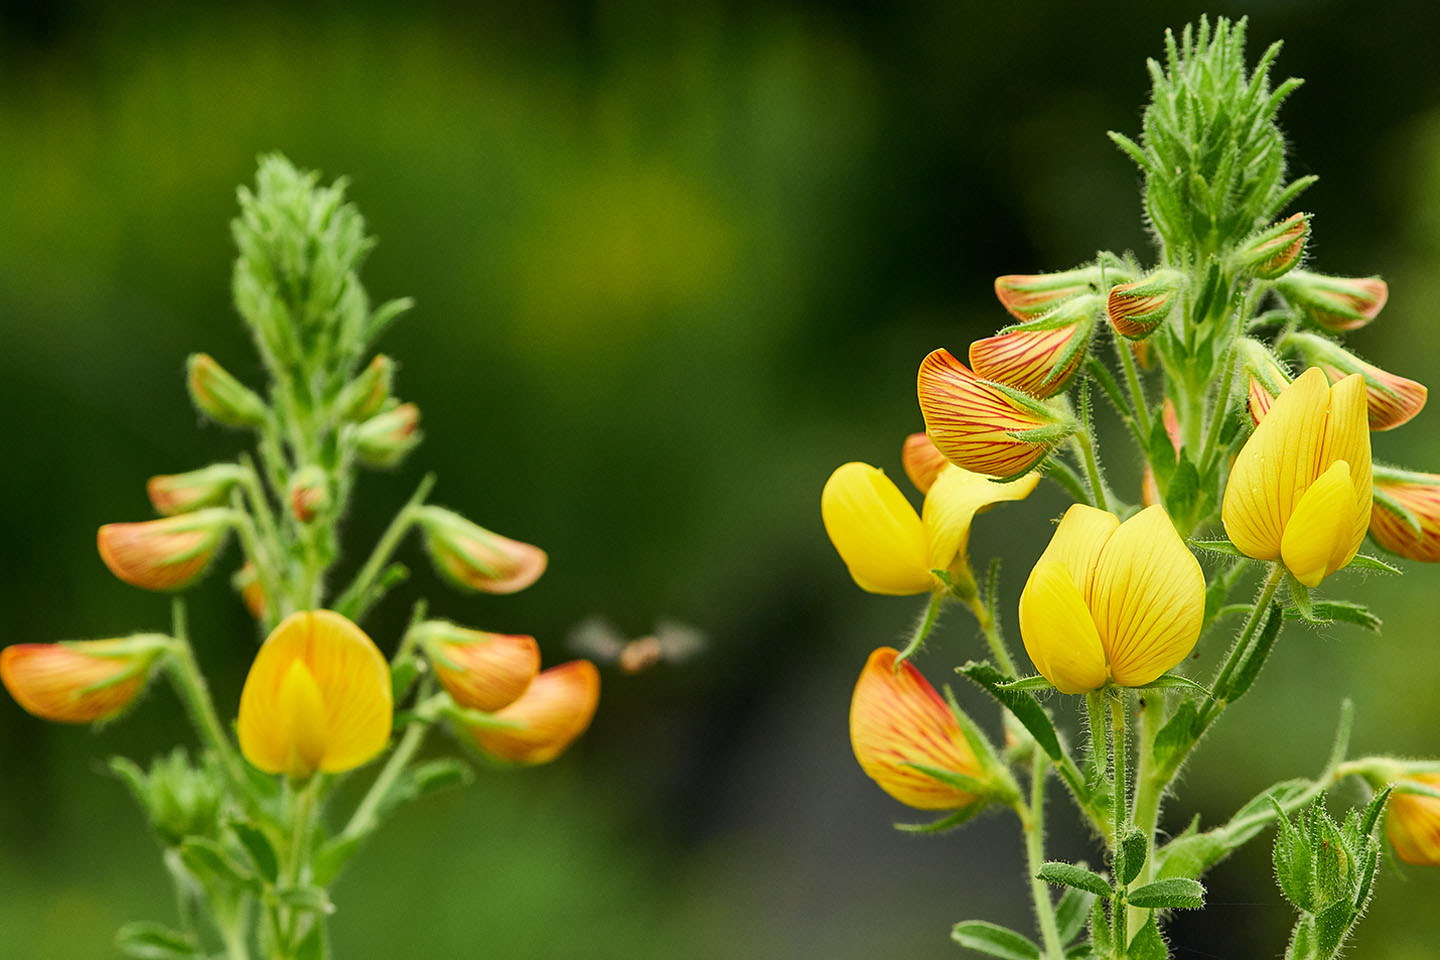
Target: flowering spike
<point>210,486</point>
<point>1027,296</point>
<point>220,396</point>
<point>1276,250</point>
<point>166,554</point>
<point>481,671</point>
<point>1310,428</point>
<point>552,712</point>
<point>385,439</point>
<point>898,722</point>
<point>981,426</point>
<point>365,396</point>
<point>1413,823</point>
<point>1335,303</point>
<point>317,698</point>
<point>1390,399</point>
<point>1136,309</point>
<point>1042,356</point>
<point>1406,518</point>
<point>473,558</point>
<point>922,462</point>
<point>84,681</point>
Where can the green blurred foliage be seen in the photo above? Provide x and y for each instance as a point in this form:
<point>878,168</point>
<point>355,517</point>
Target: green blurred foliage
<point>673,265</point>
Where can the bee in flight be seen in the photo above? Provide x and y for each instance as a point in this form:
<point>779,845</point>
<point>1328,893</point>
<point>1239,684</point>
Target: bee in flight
<point>669,642</point>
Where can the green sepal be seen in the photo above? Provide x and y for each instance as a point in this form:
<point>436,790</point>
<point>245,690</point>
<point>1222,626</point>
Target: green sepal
<point>1260,649</point>
<point>1362,562</point>
<point>1020,703</point>
<point>1384,499</point>
<point>1300,596</point>
<point>1175,681</point>
<point>1223,547</point>
<point>1174,893</point>
<point>994,940</point>
<point>1345,611</point>
<point>959,781</point>
<point>143,940</point>
<point>1076,877</point>
<point>948,822</point>
<point>1026,683</point>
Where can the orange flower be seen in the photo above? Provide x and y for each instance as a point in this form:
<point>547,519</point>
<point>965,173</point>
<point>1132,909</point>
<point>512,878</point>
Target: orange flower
<point>183,492</point>
<point>1335,303</point>
<point>1413,823</point>
<point>80,681</point>
<point>1277,249</point>
<point>981,426</point>
<point>1039,357</point>
<point>167,554</point>
<point>898,721</point>
<point>1026,296</point>
<point>473,558</point>
<point>556,708</point>
<point>1390,399</point>
<point>481,671</point>
<point>1406,518</point>
<point>1136,309</point>
<point>922,462</point>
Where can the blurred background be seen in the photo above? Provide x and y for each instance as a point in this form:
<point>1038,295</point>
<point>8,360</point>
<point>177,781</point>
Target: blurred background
<point>674,263</point>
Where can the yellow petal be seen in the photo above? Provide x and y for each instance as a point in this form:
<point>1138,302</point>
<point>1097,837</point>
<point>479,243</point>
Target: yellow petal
<point>1347,438</point>
<point>1275,467</point>
<point>897,719</point>
<point>1318,534</point>
<point>1078,541</point>
<point>300,710</point>
<point>876,531</point>
<point>1058,631</point>
<point>954,498</point>
<point>1413,824</point>
<point>1147,598</point>
<point>351,679</point>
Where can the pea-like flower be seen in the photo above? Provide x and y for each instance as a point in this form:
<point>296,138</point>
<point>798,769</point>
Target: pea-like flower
<point>1110,601</point>
<point>1039,357</point>
<point>891,549</point>
<point>317,698</point>
<point>480,670</point>
<point>473,558</point>
<point>922,461</point>
<point>1300,490</point>
<point>552,712</point>
<point>82,681</point>
<point>1413,823</point>
<point>898,722</point>
<point>1406,518</point>
<point>166,554</point>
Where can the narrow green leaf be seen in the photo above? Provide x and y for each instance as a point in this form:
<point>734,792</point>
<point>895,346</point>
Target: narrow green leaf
<point>207,858</point>
<point>1362,562</point>
<point>258,846</point>
<point>950,822</point>
<point>1218,546</point>
<point>1174,681</point>
<point>1071,912</point>
<point>1260,649</point>
<point>1326,611</point>
<point>1078,877</point>
<point>1174,893</point>
<point>1176,735</point>
<point>1026,683</point>
<point>154,941</point>
<point>1020,703</point>
<point>994,940</point>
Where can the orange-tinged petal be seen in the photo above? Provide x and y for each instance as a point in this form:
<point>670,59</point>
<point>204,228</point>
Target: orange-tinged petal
<point>1077,542</point>
<point>482,671</point>
<point>954,499</point>
<point>1039,361</point>
<point>1413,824</point>
<point>78,682</point>
<point>897,719</point>
<point>1025,296</point>
<point>1318,534</point>
<point>922,462</point>
<point>166,554</point>
<point>474,558</point>
<point>1058,631</point>
<point>280,728</point>
<point>1147,598</point>
<point>876,531</point>
<point>1419,494</point>
<point>974,424</point>
<point>555,709</point>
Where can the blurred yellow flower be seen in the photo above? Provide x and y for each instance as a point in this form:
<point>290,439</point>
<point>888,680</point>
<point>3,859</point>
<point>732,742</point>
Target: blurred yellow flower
<point>891,549</point>
<point>1300,490</point>
<point>1111,601</point>
<point>317,698</point>
<point>1413,824</point>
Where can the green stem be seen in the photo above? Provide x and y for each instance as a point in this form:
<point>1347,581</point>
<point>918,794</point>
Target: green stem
<point>1132,380</point>
<point>260,507</point>
<point>1092,467</point>
<point>1095,710</point>
<point>1063,474</point>
<point>1032,819</point>
<point>1212,708</point>
<point>190,686</point>
<point>991,629</point>
<point>352,601</point>
<point>364,819</point>
<point>922,630</point>
<point>1107,383</point>
<point>250,542</point>
<point>1148,789</point>
<point>1122,811</point>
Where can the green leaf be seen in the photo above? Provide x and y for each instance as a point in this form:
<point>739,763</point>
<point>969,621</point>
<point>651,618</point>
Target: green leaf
<point>1293,861</point>
<point>207,858</point>
<point>154,941</point>
<point>1260,649</point>
<point>1027,683</point>
<point>1020,703</point>
<point>129,771</point>
<point>1071,913</point>
<point>305,898</point>
<point>994,940</point>
<point>1175,893</point>
<point>1184,489</point>
<point>1176,735</point>
<point>1100,929</point>
<point>257,845</point>
<point>1174,681</point>
<point>1362,562</point>
<point>1373,811</point>
<point>1081,951</point>
<point>314,945</point>
<point>1131,856</point>
<point>1072,875</point>
<point>332,857</point>
<point>1326,611</point>
<point>950,822</point>
<point>1224,547</point>
<point>402,676</point>
<point>1147,944</point>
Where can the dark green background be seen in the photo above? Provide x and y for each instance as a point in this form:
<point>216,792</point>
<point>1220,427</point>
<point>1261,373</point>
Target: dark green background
<point>673,265</point>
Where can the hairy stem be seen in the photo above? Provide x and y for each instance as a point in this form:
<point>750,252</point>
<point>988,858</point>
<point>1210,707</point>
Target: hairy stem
<point>1032,819</point>
<point>923,628</point>
<point>353,601</point>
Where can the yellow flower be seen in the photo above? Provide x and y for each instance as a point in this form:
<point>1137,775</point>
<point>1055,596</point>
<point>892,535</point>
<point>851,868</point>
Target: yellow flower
<point>891,549</point>
<point>1300,491</point>
<point>1111,601</point>
<point>317,698</point>
<point>1413,824</point>
<point>79,682</point>
<point>555,709</point>
<point>896,720</point>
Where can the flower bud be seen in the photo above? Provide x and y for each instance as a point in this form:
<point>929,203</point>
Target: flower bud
<point>922,462</point>
<point>1390,399</point>
<point>181,800</point>
<point>183,492</point>
<point>1406,518</point>
<point>247,581</point>
<point>552,712</point>
<point>1027,296</point>
<point>309,493</point>
<point>166,554</point>
<point>481,671</point>
<point>1335,303</point>
<point>84,681</point>
<point>385,439</point>
<point>1413,823</point>
<point>898,722</point>
<point>220,396</point>
<point>1136,309</point>
<point>985,427</point>
<point>1038,357</point>
<point>1275,250</point>
<point>1268,378</point>
<point>474,558</point>
<point>365,396</point>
